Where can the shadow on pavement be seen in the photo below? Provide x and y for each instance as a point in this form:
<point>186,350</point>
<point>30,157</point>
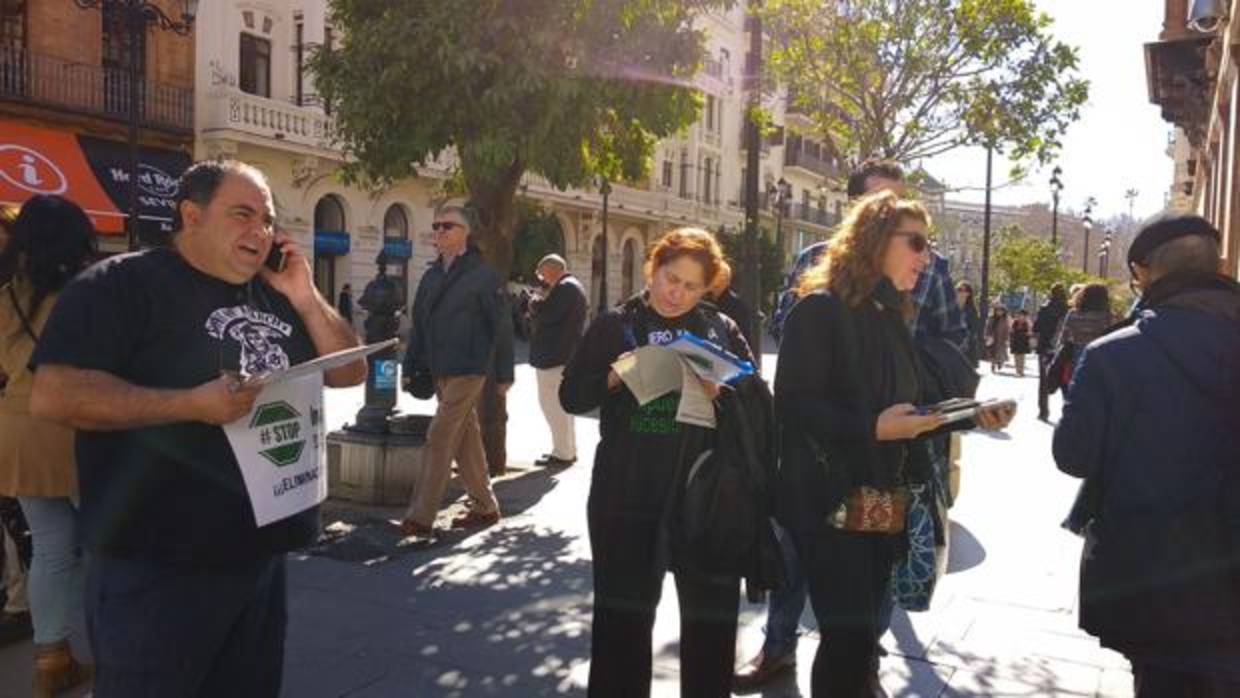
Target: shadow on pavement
<point>505,615</point>
<point>965,551</point>
<point>367,534</point>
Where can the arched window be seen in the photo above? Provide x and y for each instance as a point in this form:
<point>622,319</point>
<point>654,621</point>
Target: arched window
<point>396,245</point>
<point>395,223</point>
<point>628,267</point>
<point>331,241</point>
<point>329,215</point>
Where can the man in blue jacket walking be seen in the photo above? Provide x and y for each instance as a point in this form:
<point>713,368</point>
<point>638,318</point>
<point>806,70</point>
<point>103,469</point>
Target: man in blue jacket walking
<point>1151,423</point>
<point>461,329</point>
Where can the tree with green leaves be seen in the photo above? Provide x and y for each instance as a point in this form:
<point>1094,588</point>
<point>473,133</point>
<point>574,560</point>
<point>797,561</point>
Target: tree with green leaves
<point>571,90</point>
<point>770,261</point>
<point>1023,262</point>
<point>910,79</point>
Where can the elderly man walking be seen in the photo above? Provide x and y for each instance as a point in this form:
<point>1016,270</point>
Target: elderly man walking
<point>461,328</point>
<point>1150,422</point>
<point>557,319</point>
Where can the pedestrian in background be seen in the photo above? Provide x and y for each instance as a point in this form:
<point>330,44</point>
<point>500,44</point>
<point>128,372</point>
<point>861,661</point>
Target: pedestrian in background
<point>462,330</point>
<point>144,354</point>
<point>641,450</point>
<point>972,320</point>
<point>1150,423</point>
<point>1045,329</point>
<point>1020,341</point>
<point>344,304</point>
<point>998,331</point>
<point>557,320</point>
<point>53,241</point>
<point>1089,316</point>
<point>847,381</point>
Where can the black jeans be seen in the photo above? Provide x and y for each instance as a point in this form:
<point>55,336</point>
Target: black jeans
<point>1044,396</point>
<point>161,631</point>
<point>849,576</point>
<point>628,579</point>
<point>1150,681</point>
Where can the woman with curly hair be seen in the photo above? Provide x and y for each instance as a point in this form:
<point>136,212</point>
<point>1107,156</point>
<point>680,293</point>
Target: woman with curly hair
<point>845,389</point>
<point>640,452</point>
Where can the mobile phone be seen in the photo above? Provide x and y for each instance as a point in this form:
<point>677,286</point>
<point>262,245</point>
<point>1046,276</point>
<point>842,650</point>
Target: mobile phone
<point>275,259</point>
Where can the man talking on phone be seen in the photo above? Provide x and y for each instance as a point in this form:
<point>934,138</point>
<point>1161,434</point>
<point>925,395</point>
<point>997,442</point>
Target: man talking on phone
<point>147,356</point>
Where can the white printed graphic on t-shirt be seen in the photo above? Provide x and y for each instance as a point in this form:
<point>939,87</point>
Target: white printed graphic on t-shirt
<point>256,332</point>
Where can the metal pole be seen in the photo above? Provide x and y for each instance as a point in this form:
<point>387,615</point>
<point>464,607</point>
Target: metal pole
<point>985,309</point>
<point>751,287</point>
<point>1055,219</point>
<point>136,25</point>
<point>602,287</point>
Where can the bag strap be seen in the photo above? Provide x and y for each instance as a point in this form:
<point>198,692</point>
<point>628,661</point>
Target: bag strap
<point>21,315</point>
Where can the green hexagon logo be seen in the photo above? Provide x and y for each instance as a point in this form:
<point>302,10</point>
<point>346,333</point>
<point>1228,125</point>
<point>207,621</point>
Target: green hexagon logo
<point>280,433</point>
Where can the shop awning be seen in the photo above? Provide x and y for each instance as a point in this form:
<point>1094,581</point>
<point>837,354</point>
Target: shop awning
<point>92,172</point>
<point>328,242</point>
<point>397,249</point>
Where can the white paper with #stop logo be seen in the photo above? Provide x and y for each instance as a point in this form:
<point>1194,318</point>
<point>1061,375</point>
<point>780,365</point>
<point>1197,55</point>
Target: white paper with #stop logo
<point>279,447</point>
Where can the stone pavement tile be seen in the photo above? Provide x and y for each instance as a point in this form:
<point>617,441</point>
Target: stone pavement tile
<point>1037,682</point>
<point>447,681</point>
<point>1115,683</point>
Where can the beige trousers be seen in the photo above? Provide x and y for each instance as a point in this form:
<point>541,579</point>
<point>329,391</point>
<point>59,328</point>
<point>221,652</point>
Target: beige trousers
<point>563,430</point>
<point>453,435</point>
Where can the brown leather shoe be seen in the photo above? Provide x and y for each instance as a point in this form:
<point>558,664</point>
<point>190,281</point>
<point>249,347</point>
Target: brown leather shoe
<point>476,519</point>
<point>56,670</point>
<point>760,671</point>
<point>409,527</point>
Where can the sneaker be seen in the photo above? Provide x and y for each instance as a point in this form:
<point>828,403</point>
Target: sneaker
<point>475,519</point>
<point>550,461</point>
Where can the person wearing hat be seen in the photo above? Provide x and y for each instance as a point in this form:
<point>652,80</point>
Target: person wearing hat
<point>1151,424</point>
<point>557,320</point>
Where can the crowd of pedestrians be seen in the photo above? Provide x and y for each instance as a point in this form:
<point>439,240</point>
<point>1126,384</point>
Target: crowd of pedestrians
<point>120,376</point>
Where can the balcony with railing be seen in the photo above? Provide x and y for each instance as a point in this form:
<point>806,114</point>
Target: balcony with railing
<point>53,83</point>
<point>809,161</point>
<point>228,108</point>
<point>812,214</point>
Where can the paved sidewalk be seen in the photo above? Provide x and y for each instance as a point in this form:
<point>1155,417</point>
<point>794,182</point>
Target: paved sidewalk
<point>506,611</point>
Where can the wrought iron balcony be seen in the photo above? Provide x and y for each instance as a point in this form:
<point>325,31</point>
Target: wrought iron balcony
<point>79,88</point>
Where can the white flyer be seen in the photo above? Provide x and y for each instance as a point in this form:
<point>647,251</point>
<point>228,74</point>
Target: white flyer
<point>280,448</point>
<point>321,364</point>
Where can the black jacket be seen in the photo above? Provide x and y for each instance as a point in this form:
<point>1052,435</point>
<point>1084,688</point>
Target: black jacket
<point>641,448</point>
<point>839,367</point>
<point>1046,325</point>
<point>461,323</point>
<point>556,322</point>
<point>1151,421</point>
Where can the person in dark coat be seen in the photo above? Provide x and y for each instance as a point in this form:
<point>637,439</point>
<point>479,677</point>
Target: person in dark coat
<point>972,321</point>
<point>557,319</point>
<point>1045,328</point>
<point>1150,422</point>
<point>1019,341</point>
<point>642,448</point>
<point>846,386</point>
<point>344,304</point>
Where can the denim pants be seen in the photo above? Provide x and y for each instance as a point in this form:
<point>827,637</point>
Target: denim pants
<point>55,582</point>
<point>783,616</point>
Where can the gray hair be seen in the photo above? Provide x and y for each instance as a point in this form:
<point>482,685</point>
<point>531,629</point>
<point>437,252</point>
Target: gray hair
<point>553,260</point>
<point>1188,254</point>
<point>467,212</point>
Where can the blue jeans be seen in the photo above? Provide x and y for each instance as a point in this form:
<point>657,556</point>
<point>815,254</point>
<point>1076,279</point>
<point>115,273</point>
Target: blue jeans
<point>783,616</point>
<point>55,584</point>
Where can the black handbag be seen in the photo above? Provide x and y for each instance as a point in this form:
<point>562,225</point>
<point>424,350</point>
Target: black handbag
<point>422,385</point>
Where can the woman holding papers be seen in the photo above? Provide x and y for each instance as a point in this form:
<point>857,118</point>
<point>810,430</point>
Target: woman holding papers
<point>634,483</point>
<point>845,389</point>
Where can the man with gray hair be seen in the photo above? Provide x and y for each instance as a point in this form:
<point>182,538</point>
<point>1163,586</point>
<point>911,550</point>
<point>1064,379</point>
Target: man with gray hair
<point>1150,422</point>
<point>557,319</point>
<point>461,332</point>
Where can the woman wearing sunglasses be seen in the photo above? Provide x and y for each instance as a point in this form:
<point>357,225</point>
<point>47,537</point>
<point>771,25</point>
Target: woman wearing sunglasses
<point>845,389</point>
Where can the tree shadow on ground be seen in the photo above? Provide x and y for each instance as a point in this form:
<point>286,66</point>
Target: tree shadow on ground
<point>503,614</point>
<point>370,535</point>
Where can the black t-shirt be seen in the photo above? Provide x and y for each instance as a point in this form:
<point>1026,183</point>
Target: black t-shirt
<point>172,492</point>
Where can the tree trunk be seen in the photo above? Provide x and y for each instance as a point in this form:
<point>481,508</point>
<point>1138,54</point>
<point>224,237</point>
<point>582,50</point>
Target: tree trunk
<point>496,200</point>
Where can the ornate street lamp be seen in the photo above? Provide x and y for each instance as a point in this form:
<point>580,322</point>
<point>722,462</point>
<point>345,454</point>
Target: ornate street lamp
<point>779,193</point>
<point>1104,254</point>
<point>1056,187</point>
<point>1088,224</point>
<point>604,188</point>
<point>136,16</point>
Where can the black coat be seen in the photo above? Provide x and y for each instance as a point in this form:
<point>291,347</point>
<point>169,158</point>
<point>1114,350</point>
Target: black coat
<point>556,323</point>
<point>641,448</point>
<point>1046,325</point>
<point>1151,421</point>
<point>461,323</point>
<point>839,367</point>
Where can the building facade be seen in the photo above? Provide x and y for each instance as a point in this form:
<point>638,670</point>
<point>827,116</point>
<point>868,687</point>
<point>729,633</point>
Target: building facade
<point>65,110</point>
<point>1193,74</point>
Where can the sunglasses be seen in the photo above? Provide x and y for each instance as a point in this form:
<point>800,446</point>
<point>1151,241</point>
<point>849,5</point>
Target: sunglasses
<point>916,241</point>
<point>444,226</point>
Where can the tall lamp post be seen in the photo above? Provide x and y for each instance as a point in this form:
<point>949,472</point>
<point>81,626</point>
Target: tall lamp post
<point>136,16</point>
<point>1104,254</point>
<point>604,188</point>
<point>1088,224</point>
<point>1056,187</point>
<point>779,193</point>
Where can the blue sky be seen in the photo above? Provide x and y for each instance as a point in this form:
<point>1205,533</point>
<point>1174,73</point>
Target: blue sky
<point>1120,141</point>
